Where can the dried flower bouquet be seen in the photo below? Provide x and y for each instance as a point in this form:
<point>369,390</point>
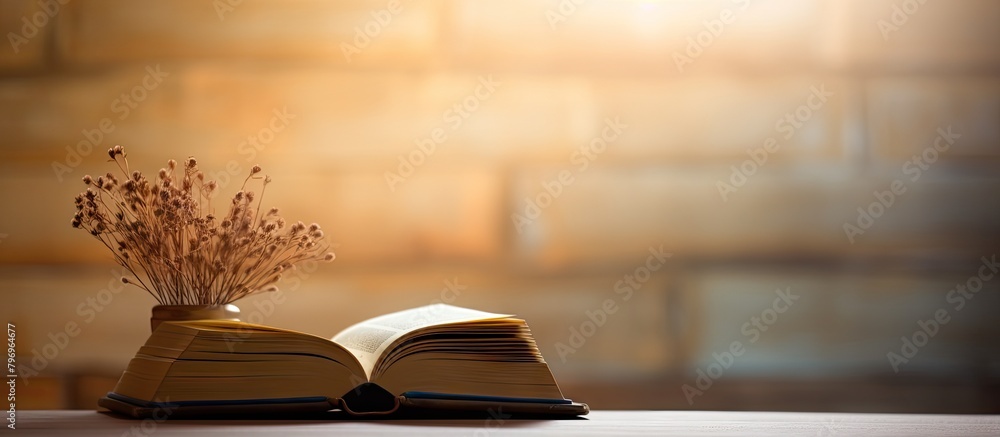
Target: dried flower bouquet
<point>164,232</point>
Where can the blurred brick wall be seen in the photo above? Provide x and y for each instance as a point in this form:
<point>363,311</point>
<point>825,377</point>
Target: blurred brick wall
<point>513,97</point>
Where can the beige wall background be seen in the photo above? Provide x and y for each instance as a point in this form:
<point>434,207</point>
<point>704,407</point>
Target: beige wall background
<point>500,107</point>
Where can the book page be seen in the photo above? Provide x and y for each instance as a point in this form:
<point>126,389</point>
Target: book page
<point>369,339</point>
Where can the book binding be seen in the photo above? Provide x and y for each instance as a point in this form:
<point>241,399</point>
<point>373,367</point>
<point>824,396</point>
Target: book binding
<point>367,399</point>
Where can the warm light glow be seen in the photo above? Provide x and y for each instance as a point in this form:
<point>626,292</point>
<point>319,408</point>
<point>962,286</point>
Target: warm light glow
<point>540,159</point>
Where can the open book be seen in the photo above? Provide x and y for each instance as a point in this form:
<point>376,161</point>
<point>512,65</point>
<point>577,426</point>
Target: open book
<point>437,357</point>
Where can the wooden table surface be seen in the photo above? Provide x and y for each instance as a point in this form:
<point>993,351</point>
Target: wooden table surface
<point>658,423</point>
